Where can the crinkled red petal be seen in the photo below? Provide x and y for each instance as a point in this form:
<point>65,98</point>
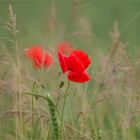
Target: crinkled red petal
<point>82,56</point>
<point>48,59</point>
<point>75,64</point>
<point>63,62</point>
<point>78,77</point>
<point>35,53</point>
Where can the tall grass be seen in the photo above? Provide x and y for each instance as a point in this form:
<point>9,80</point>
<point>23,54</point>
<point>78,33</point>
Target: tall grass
<point>40,105</point>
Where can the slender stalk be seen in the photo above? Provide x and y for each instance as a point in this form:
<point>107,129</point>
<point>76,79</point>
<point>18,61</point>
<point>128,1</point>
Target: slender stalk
<point>19,88</point>
<point>63,107</point>
<point>71,116</point>
<point>32,114</point>
<point>48,134</point>
<point>10,25</point>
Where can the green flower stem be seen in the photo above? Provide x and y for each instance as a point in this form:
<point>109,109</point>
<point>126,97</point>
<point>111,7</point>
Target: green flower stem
<point>63,107</point>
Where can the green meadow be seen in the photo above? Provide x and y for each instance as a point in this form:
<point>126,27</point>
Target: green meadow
<point>43,104</point>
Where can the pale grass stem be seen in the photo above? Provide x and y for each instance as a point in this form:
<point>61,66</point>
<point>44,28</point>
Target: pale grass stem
<point>11,26</point>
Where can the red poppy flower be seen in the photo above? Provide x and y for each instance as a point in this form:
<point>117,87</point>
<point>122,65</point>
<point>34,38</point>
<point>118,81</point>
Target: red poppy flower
<point>65,48</point>
<point>39,57</point>
<point>76,64</point>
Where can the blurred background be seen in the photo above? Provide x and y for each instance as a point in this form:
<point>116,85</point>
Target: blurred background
<point>44,21</point>
<point>109,103</point>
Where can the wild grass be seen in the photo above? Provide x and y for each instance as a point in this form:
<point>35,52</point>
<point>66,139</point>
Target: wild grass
<point>41,105</point>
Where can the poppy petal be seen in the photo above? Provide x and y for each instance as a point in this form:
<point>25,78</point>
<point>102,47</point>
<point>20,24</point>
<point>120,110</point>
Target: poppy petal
<point>63,62</point>
<point>75,64</point>
<point>35,53</point>
<point>78,77</point>
<point>48,59</point>
<point>82,56</point>
<point>65,48</point>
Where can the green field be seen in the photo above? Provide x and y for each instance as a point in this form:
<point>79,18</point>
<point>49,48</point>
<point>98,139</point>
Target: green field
<point>31,101</point>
